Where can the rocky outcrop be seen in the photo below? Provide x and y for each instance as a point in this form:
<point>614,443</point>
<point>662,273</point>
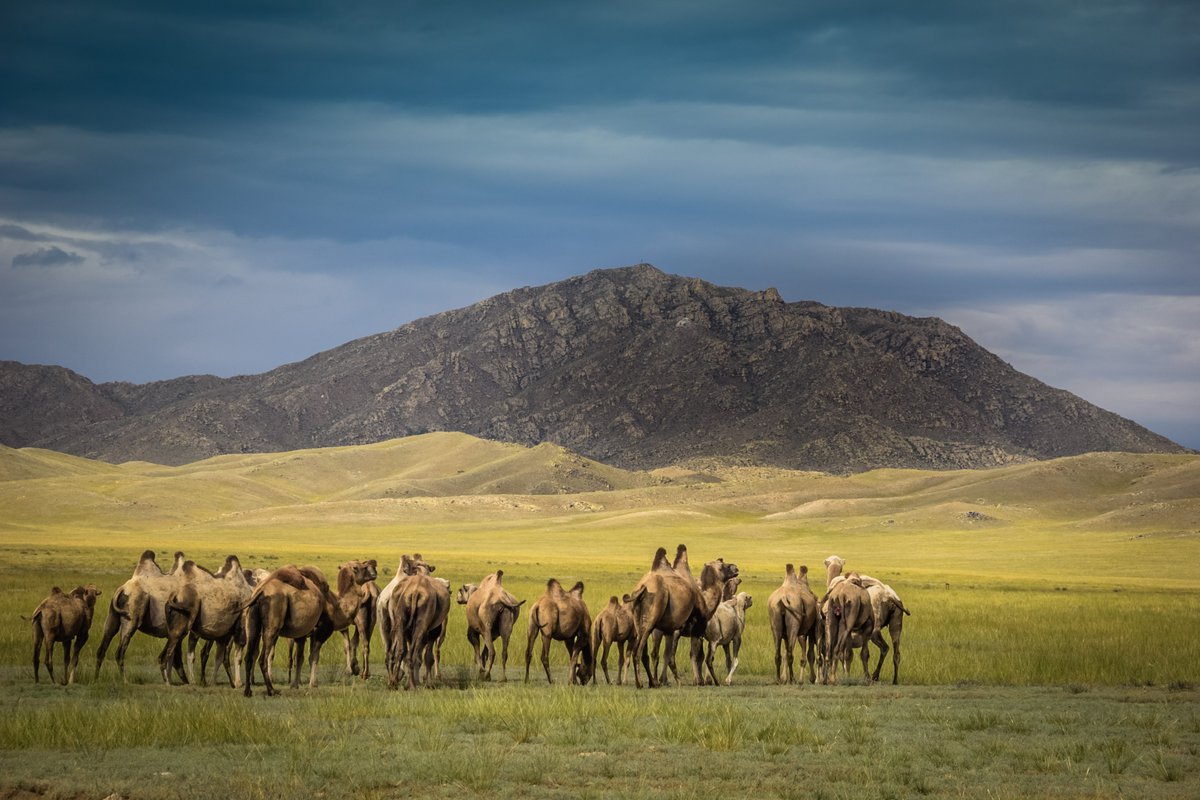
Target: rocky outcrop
<point>629,366</point>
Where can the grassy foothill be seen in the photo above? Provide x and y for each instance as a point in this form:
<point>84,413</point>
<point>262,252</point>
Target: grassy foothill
<point>1039,660</point>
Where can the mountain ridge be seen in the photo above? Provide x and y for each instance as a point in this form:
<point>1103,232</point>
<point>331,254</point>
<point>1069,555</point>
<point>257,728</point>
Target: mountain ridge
<point>628,366</point>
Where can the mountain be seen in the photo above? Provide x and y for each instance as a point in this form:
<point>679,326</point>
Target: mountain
<point>631,367</point>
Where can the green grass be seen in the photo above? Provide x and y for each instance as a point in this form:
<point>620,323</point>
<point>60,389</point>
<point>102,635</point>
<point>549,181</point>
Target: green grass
<point>1048,654</point>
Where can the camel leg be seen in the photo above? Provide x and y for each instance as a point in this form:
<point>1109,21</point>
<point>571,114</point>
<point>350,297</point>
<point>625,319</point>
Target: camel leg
<point>866,661</point>
<point>112,625</point>
<point>366,653</point>
<point>295,658</point>
<point>38,638</point>
<point>66,671</point>
<point>894,633</point>
<point>708,663</point>
<point>350,646</point>
<point>80,641</point>
<point>737,649</point>
<point>877,640</point>
<point>48,646</point>
<point>546,640</point>
<point>314,656</point>
<point>473,638</point>
<point>504,658</point>
<point>488,655</point>
<point>603,654</point>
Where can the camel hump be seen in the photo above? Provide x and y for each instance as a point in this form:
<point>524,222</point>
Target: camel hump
<point>577,589</point>
<point>612,601</point>
<point>790,570</point>
<point>803,570</point>
<point>291,575</point>
<point>499,575</point>
<point>78,592</point>
<point>147,555</point>
<point>553,586</point>
<point>232,564</point>
<point>55,590</point>
<point>316,576</point>
<point>660,558</point>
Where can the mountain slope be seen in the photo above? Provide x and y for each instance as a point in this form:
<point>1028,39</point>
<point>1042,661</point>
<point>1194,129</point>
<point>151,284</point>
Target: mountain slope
<point>629,366</point>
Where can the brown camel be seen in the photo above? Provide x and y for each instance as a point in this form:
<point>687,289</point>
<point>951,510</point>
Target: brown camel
<point>364,629</point>
<point>849,622</point>
<point>563,616</point>
<point>353,578</point>
<point>614,625</point>
<point>889,612</point>
<point>383,602</point>
<point>208,607</point>
<point>140,604</point>
<point>491,612</point>
<point>291,602</point>
<point>669,600</point>
<point>64,618</point>
<point>795,618</point>
<point>418,609</point>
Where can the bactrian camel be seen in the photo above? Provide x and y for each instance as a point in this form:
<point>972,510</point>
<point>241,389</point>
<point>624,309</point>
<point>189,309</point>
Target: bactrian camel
<point>795,619</point>
<point>209,607</point>
<point>671,601</point>
<point>560,615</point>
<point>614,625</point>
<point>888,610</point>
<point>140,604</point>
<point>491,612</point>
<point>849,622</point>
<point>724,630</point>
<point>290,602</point>
<point>418,610</point>
<point>63,618</point>
<point>383,602</point>
<point>350,600</point>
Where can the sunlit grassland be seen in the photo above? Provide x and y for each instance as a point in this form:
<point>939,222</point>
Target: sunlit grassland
<point>1049,651</point>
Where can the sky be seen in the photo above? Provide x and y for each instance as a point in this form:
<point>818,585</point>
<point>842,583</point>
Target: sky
<point>224,187</point>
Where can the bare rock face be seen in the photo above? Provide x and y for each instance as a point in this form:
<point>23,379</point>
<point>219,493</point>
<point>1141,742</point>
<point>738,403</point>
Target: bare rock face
<point>629,366</point>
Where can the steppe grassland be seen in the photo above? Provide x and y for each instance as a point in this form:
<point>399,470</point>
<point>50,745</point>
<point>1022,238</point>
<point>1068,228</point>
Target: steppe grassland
<point>1026,665</point>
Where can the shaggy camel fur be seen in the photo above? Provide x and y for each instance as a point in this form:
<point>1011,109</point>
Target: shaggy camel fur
<point>491,612</point>
<point>670,600</point>
<point>208,607</point>
<point>795,618</point>
<point>614,625</point>
<point>889,613</point>
<point>140,604</point>
<point>563,616</point>
<point>724,630</point>
<point>290,602</point>
<point>64,618</point>
<point>418,610</point>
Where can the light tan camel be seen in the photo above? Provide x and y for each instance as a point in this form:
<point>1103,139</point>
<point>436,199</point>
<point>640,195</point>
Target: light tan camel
<point>383,602</point>
<point>563,616</point>
<point>209,607</point>
<point>614,625</point>
<point>290,602</point>
<point>64,618</point>
<point>795,618</point>
<point>669,600</point>
<point>889,612</point>
<point>491,611</point>
<point>418,608</point>
<point>724,630</point>
<point>140,604</point>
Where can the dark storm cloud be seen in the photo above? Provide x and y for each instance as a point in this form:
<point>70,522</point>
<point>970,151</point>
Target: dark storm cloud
<point>975,160</point>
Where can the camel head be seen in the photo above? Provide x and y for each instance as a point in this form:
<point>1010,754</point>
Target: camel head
<point>743,600</point>
<point>354,573</point>
<point>833,566</point>
<point>87,594</point>
<point>731,587</point>
<point>465,592</point>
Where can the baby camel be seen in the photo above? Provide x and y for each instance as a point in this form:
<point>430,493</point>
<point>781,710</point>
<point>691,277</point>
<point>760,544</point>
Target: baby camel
<point>614,625</point>
<point>725,628</point>
<point>63,618</point>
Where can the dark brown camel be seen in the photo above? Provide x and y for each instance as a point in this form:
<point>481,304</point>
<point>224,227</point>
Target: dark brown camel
<point>63,618</point>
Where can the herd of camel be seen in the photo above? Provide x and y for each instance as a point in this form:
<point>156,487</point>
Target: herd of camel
<point>245,612</point>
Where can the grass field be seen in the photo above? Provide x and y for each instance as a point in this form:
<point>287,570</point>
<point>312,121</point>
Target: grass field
<point>1050,651</point>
